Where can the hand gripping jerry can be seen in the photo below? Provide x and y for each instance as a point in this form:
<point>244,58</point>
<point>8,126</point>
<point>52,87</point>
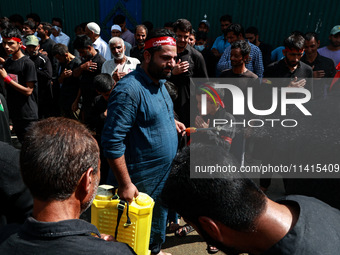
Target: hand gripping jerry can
<point>128,223</point>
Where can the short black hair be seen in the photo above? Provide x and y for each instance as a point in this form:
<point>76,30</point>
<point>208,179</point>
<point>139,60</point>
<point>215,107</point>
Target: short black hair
<point>144,27</point>
<point>183,25</point>
<point>59,49</point>
<point>148,24</point>
<point>237,29</point>
<point>310,35</point>
<point>252,30</point>
<point>234,201</point>
<point>200,35</point>
<point>16,18</point>
<point>30,24</point>
<point>119,19</point>
<point>243,46</point>
<point>103,82</point>
<point>226,17</point>
<point>11,32</point>
<point>33,16</point>
<point>58,20</point>
<point>168,24</point>
<point>56,152</point>
<point>82,42</point>
<point>294,42</point>
<point>47,27</point>
<point>81,25</point>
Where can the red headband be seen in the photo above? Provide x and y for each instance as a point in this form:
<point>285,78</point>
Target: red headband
<point>13,38</point>
<point>293,50</point>
<point>158,41</point>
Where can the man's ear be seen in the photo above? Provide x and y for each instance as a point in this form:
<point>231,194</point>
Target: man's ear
<point>86,180</point>
<point>211,228</point>
<point>147,56</point>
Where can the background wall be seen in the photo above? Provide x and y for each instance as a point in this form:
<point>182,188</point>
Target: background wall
<point>274,18</point>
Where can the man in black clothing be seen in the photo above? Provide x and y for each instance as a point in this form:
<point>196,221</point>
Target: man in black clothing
<point>190,64</point>
<point>231,212</point>
<point>46,43</point>
<point>67,82</point>
<point>5,133</point>
<point>322,67</point>
<point>44,73</point>
<point>20,76</point>
<point>140,36</point>
<point>59,163</point>
<point>90,67</point>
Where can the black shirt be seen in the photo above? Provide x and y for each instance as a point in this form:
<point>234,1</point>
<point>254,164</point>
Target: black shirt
<point>137,53</point>
<point>5,133</point>
<point>63,237</point>
<point>321,63</point>
<point>22,107</point>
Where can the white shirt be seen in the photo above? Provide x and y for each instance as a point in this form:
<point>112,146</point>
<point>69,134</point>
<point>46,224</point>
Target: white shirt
<point>130,65</point>
<point>61,38</point>
<point>103,48</point>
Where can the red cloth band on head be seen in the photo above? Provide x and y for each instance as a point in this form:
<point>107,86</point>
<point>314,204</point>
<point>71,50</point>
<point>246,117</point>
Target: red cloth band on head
<point>13,38</point>
<point>293,50</point>
<point>158,41</point>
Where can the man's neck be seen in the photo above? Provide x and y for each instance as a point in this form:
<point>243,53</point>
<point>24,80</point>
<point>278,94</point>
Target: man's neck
<point>311,57</point>
<point>120,61</point>
<point>257,43</point>
<point>291,68</point>
<point>140,46</point>
<point>239,69</point>
<point>271,226</point>
<point>54,211</point>
<point>18,55</point>
<point>333,48</point>
<point>180,50</point>
<point>69,57</point>
<point>144,67</point>
<point>43,39</point>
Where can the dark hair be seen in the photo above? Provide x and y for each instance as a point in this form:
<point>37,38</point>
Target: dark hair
<point>55,154</point>
<point>168,24</point>
<point>148,24</point>
<point>58,20</point>
<point>235,202</point>
<point>193,32</point>
<point>199,90</point>
<point>4,24</point>
<point>226,17</point>
<point>310,35</point>
<point>119,19</point>
<point>60,49</point>
<point>103,82</point>
<point>30,24</point>
<point>183,25</point>
<point>200,35</point>
<point>11,32</point>
<point>294,42</point>
<point>237,29</point>
<point>82,26</point>
<point>243,46</point>
<point>33,16</point>
<point>47,27</point>
<point>16,18</point>
<point>158,33</point>
<point>144,27</point>
<point>252,30</point>
<point>82,42</point>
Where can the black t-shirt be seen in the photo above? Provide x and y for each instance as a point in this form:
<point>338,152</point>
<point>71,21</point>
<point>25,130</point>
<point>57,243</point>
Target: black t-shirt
<point>315,232</point>
<point>137,53</point>
<point>5,133</point>
<point>70,86</point>
<point>22,107</point>
<point>88,91</point>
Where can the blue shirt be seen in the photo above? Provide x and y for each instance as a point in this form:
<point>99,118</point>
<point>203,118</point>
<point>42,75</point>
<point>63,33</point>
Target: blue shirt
<point>255,64</point>
<point>220,44</point>
<point>140,124</point>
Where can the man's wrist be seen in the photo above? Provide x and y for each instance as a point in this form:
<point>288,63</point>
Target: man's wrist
<point>8,79</point>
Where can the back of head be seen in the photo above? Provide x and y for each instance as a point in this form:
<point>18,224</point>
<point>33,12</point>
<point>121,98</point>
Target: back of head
<point>183,25</point>
<point>103,82</point>
<point>30,24</point>
<point>55,154</point>
<point>82,42</point>
<point>235,202</point>
<point>294,41</point>
<point>35,17</point>
<point>237,29</point>
<point>226,17</point>
<point>252,30</point>
<point>94,27</point>
<point>60,49</point>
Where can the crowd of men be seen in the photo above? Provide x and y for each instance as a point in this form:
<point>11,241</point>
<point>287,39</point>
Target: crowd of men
<point>134,93</point>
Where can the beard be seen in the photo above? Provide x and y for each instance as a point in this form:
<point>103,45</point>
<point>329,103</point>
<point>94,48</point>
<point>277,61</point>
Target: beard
<point>87,204</point>
<point>119,56</point>
<point>157,72</point>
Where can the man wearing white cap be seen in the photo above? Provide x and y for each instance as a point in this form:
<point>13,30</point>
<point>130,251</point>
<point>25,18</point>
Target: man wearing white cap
<point>332,50</point>
<point>116,31</point>
<point>92,30</point>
